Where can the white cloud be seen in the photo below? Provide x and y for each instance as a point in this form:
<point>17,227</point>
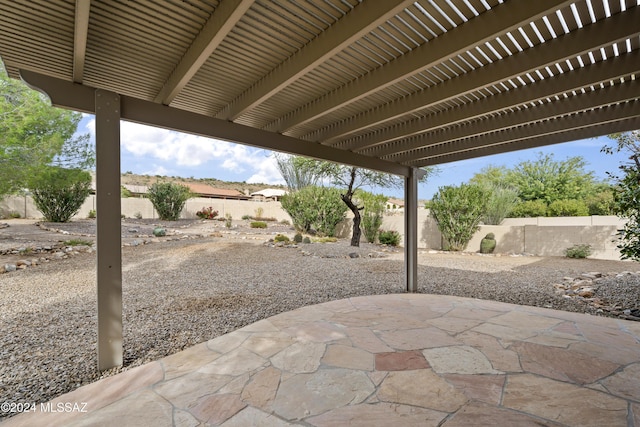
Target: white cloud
<point>266,171</point>
<point>157,170</point>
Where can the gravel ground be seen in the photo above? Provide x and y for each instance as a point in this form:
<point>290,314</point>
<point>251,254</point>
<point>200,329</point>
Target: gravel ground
<point>178,293</point>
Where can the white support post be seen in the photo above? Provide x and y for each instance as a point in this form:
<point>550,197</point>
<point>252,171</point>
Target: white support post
<point>109,265</point>
<point>411,231</point>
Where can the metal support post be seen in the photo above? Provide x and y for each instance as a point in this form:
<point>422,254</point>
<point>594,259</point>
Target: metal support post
<point>411,231</point>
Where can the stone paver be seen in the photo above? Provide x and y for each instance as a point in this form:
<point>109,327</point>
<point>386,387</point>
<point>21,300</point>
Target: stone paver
<point>408,359</point>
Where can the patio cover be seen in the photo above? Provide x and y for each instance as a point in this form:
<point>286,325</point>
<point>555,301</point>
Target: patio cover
<point>386,85</point>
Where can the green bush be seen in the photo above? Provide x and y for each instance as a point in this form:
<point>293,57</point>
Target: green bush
<point>14,215</point>
<point>601,203</point>
<point>92,214</point>
<point>258,224</point>
<point>458,211</point>
<point>390,237</point>
<point>168,199</point>
<point>297,238</point>
<point>281,238</point>
<point>501,201</point>
<point>228,220</point>
<point>568,208</point>
<point>317,208</point>
<point>59,193</point>
<point>374,205</point>
<point>246,217</point>
<point>529,209</point>
<point>306,239</point>
<point>578,251</point>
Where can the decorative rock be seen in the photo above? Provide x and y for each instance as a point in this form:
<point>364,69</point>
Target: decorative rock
<point>10,267</point>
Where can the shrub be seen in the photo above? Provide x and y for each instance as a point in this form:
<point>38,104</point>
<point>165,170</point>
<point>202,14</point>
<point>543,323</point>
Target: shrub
<point>488,244</point>
<point>458,211</point>
<point>391,237</point>
<point>568,208</point>
<point>92,214</point>
<point>578,251</point>
<point>306,240</point>
<point>228,220</point>
<point>281,238</point>
<point>258,224</point>
<point>374,206</point>
<point>168,199</point>
<point>530,208</point>
<point>207,213</point>
<point>297,238</point>
<point>320,208</point>
<point>77,242</point>
<point>14,215</point>
<point>246,217</point>
<point>500,203</point>
<point>59,193</point>
<point>601,203</point>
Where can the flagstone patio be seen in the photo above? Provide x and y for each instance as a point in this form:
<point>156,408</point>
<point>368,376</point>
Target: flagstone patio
<point>408,359</point>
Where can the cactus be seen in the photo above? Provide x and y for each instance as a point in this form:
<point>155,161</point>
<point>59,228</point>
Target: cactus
<point>159,232</point>
<point>281,238</point>
<point>306,240</point>
<point>488,244</point>
<point>297,238</point>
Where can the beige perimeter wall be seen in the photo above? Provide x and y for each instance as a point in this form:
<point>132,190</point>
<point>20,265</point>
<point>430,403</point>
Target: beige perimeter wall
<point>536,236</point>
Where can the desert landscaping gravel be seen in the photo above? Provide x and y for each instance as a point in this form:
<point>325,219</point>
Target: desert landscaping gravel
<point>180,292</point>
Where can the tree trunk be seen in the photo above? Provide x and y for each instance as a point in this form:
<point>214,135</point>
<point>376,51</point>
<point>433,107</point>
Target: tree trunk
<point>355,238</point>
<point>347,198</point>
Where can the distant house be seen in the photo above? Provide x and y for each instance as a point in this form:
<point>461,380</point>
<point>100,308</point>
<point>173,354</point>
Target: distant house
<point>268,195</point>
<point>395,204</point>
<point>207,191</point>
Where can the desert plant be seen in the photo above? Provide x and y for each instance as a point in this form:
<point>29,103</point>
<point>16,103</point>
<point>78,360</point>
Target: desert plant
<point>59,193</point>
<point>246,217</point>
<point>458,211</point>
<point>389,237</point>
<point>228,220</point>
<point>92,214</point>
<point>259,212</point>
<point>374,205</point>
<point>168,199</point>
<point>568,208</point>
<point>530,208</point>
<point>14,215</point>
<point>207,213</point>
<point>77,242</point>
<point>319,208</point>
<point>578,251</point>
<point>258,224</point>
<point>297,238</point>
<point>500,203</point>
<point>159,232</point>
<point>137,215</point>
<point>281,238</point>
<point>306,239</point>
<point>488,244</point>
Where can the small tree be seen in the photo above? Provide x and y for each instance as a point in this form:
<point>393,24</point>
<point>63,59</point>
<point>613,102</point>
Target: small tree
<point>458,211</point>
<point>374,205</point>
<point>59,193</point>
<point>627,193</point>
<point>168,199</point>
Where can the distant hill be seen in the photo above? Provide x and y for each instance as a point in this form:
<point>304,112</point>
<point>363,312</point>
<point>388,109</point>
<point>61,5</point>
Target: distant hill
<point>243,187</point>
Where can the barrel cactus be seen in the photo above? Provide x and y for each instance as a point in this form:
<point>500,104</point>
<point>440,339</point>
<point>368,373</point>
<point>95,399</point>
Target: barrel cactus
<point>159,232</point>
<point>488,244</point>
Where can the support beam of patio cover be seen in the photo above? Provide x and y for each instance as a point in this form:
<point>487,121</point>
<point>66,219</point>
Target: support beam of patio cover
<point>411,229</point>
<point>109,264</point>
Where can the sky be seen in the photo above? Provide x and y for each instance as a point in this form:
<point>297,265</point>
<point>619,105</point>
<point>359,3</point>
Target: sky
<point>147,150</point>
